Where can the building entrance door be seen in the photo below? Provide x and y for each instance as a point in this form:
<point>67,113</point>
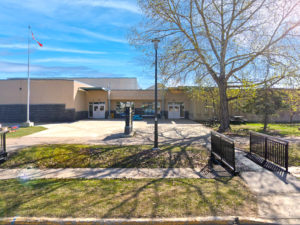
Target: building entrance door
<point>99,110</point>
<point>173,111</point>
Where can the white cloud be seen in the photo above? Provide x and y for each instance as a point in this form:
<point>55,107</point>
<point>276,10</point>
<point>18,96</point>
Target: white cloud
<point>100,36</point>
<point>51,49</point>
<point>50,7</point>
<point>85,61</point>
<point>71,50</point>
<point>14,67</point>
<point>122,5</point>
<point>66,60</point>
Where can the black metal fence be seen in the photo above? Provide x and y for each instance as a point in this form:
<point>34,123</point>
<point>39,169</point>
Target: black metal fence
<point>222,148</point>
<point>3,153</point>
<point>270,148</point>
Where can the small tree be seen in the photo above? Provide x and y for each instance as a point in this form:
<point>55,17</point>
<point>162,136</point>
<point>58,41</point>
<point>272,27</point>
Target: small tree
<point>293,103</point>
<point>293,96</point>
<point>266,102</point>
<point>207,93</point>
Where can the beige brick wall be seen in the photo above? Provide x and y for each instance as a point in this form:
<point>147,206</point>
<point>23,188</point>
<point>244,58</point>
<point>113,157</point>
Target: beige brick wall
<point>80,96</point>
<point>96,96</point>
<point>141,96</point>
<point>137,103</point>
<point>177,96</point>
<point>42,92</point>
<point>128,95</point>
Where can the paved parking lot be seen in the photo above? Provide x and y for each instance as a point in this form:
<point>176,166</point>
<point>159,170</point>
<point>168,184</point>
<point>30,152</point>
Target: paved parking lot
<point>184,132</point>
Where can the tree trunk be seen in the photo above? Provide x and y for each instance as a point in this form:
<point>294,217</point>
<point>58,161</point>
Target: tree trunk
<point>265,122</point>
<point>291,117</point>
<point>224,111</point>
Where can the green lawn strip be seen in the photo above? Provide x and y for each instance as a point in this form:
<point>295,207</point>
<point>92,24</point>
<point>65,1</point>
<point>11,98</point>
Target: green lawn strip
<point>23,131</point>
<point>294,154</point>
<point>280,129</point>
<point>123,198</point>
<point>85,156</point>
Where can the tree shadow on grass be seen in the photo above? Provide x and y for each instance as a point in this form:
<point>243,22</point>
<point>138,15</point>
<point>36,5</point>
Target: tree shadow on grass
<point>80,158</point>
<point>183,200</point>
<point>107,199</point>
<point>19,198</point>
<point>113,157</point>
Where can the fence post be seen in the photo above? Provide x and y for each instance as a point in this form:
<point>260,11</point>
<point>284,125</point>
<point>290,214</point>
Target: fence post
<point>266,148</point>
<point>250,143</point>
<point>211,146</point>
<point>4,142</point>
<point>287,157</point>
<point>234,171</point>
<point>222,148</point>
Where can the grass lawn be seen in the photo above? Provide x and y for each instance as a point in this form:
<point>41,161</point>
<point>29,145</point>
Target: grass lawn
<point>83,156</point>
<point>23,131</point>
<point>294,154</point>
<point>123,198</point>
<point>273,129</point>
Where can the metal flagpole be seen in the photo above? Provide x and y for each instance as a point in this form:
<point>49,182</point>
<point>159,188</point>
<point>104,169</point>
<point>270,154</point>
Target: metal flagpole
<point>28,123</point>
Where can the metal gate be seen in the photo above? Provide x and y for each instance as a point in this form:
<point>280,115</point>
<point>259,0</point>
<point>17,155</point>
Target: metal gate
<point>271,149</point>
<point>222,148</point>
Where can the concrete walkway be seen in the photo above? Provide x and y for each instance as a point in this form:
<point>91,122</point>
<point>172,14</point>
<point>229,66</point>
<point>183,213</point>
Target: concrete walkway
<point>209,220</point>
<point>278,193</point>
<point>102,173</point>
<point>110,132</point>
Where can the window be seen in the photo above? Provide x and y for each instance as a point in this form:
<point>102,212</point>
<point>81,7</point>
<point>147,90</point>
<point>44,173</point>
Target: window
<point>149,108</point>
<point>120,106</point>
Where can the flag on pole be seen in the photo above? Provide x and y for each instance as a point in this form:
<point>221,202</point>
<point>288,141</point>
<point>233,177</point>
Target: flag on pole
<point>40,44</point>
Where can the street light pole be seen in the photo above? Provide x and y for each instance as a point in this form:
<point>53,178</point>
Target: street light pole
<point>155,42</point>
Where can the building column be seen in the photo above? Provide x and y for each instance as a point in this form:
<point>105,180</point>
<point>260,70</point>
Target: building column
<point>108,104</point>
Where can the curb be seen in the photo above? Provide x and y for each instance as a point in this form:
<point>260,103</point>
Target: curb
<point>153,221</point>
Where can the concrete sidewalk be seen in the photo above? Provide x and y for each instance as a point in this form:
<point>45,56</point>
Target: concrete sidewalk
<point>110,132</point>
<point>209,220</point>
<point>278,193</point>
<point>107,173</point>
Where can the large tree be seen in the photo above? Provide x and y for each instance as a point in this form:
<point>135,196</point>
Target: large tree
<point>221,40</point>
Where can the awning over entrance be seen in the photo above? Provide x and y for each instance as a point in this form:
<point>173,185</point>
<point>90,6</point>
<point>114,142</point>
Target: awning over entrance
<point>94,89</point>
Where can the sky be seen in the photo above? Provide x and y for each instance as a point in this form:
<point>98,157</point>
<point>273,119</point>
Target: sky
<point>81,38</point>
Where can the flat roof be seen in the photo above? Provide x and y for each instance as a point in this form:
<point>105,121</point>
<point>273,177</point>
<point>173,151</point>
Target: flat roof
<point>38,79</point>
<point>65,78</point>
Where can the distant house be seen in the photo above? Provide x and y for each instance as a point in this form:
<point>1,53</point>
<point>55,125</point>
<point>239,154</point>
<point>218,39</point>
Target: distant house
<point>62,100</point>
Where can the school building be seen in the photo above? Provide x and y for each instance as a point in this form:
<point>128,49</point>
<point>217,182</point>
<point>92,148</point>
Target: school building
<point>66,100</point>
